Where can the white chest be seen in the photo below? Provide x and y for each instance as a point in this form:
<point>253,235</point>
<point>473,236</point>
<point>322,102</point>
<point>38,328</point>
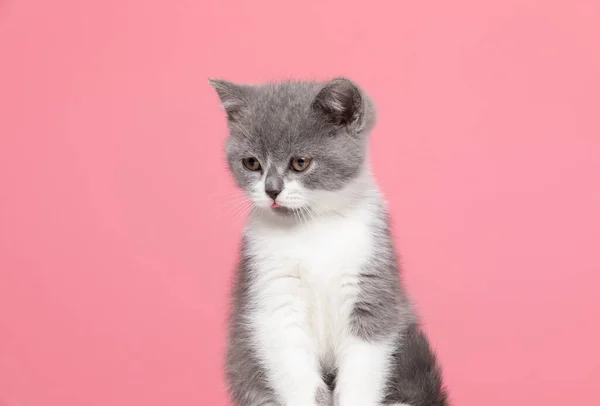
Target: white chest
<point>308,277</point>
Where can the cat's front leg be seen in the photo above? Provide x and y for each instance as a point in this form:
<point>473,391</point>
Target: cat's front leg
<point>287,349</point>
<point>363,372</point>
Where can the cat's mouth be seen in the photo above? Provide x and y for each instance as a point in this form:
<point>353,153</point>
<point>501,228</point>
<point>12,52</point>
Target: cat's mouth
<point>277,208</point>
<point>282,210</point>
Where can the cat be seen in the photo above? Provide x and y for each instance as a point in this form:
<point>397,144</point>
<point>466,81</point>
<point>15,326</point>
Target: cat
<point>319,314</point>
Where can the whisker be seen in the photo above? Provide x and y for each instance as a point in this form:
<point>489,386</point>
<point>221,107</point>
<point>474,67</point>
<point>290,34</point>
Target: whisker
<point>236,204</point>
<point>227,194</point>
<point>324,210</point>
<point>297,216</point>
<point>303,214</point>
<point>245,209</point>
<point>309,213</point>
<point>237,200</point>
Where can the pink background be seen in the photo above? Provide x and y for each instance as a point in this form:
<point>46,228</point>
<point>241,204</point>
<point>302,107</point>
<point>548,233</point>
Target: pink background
<point>116,245</point>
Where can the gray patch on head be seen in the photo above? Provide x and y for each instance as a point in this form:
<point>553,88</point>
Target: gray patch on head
<point>325,121</point>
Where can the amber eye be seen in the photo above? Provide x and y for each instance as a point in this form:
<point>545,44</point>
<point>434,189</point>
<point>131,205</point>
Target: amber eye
<point>251,164</point>
<point>300,164</point>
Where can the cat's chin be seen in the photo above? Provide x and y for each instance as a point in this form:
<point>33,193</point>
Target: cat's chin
<point>286,213</point>
<point>283,211</point>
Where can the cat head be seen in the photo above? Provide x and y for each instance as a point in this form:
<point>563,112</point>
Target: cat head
<point>297,146</point>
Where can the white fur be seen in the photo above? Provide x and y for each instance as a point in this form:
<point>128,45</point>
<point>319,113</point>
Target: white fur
<point>363,371</point>
<point>305,287</point>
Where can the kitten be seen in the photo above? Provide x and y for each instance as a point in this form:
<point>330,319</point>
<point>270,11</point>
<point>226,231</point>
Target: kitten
<point>319,315</point>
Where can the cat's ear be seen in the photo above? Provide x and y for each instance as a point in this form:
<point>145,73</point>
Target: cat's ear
<point>342,103</point>
<point>234,97</point>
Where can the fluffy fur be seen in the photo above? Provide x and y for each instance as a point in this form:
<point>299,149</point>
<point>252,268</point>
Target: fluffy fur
<point>319,316</point>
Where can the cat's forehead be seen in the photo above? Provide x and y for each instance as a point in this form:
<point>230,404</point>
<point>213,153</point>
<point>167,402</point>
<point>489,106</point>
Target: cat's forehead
<point>288,94</point>
<point>279,120</point>
<point>284,106</point>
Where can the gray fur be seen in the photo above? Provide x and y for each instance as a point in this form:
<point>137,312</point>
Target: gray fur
<point>247,380</point>
<point>281,120</point>
<point>328,121</point>
<point>273,181</point>
<point>382,308</point>
<point>324,396</point>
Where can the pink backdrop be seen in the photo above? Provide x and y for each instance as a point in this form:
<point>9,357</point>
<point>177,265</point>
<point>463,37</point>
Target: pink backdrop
<point>116,245</point>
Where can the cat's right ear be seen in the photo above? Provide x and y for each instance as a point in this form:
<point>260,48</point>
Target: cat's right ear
<point>342,103</point>
<point>234,97</point>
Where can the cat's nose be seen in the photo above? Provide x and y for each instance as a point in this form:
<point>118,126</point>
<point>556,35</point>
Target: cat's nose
<point>273,193</point>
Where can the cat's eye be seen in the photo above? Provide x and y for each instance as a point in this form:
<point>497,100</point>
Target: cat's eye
<point>251,164</point>
<point>300,164</point>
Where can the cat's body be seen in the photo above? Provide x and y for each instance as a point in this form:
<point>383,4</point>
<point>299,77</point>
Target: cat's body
<point>319,314</point>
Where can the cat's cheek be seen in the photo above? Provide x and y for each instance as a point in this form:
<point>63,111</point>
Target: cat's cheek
<point>296,196</point>
<point>255,188</point>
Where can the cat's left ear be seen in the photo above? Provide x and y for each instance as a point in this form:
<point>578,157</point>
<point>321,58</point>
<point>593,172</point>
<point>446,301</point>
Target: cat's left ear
<point>234,97</point>
<point>342,103</point>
